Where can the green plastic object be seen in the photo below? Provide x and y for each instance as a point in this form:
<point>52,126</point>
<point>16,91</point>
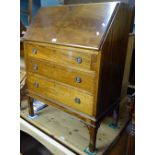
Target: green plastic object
<point>32,117</point>
<point>86,150</point>
<point>111,125</point>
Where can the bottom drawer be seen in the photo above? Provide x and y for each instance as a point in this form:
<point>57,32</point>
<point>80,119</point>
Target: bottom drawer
<point>61,93</point>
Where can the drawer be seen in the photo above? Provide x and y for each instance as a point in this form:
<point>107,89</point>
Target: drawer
<point>61,93</point>
<point>41,68</point>
<point>64,57</point>
<point>76,78</point>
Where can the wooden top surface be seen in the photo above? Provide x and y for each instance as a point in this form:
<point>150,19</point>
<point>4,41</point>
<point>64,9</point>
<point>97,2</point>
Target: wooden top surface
<point>82,25</point>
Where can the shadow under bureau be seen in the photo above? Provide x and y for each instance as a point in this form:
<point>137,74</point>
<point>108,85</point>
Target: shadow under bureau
<point>75,57</point>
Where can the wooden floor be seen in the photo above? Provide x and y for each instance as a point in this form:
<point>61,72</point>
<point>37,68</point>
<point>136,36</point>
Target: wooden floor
<point>73,133</point>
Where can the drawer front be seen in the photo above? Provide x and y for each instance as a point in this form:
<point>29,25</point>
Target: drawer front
<point>61,93</point>
<point>69,76</point>
<point>63,57</point>
<point>41,68</point>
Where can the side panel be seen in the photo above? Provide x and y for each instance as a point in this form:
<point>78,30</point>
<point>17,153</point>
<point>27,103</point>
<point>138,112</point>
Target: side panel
<point>113,55</point>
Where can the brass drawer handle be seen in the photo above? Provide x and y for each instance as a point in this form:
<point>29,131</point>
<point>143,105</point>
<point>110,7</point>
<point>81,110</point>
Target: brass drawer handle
<point>77,100</point>
<point>79,60</point>
<point>35,67</point>
<point>34,51</point>
<point>78,79</point>
<point>36,84</point>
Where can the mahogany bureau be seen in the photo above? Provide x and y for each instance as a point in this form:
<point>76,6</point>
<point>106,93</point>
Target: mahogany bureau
<point>75,57</point>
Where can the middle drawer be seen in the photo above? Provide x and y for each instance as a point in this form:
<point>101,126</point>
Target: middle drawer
<point>76,78</point>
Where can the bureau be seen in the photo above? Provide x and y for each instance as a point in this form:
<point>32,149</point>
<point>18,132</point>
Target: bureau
<point>75,57</point>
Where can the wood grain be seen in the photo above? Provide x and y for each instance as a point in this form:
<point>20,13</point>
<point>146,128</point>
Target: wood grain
<point>69,131</point>
<point>88,41</point>
<point>63,74</point>
<point>73,25</point>
<point>61,93</point>
<point>63,57</point>
<point>112,63</point>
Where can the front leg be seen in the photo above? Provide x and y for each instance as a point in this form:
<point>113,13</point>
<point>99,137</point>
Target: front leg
<point>92,143</point>
<point>30,107</point>
<point>93,134</point>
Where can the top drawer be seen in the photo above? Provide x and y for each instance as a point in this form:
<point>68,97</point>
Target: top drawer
<point>64,57</point>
